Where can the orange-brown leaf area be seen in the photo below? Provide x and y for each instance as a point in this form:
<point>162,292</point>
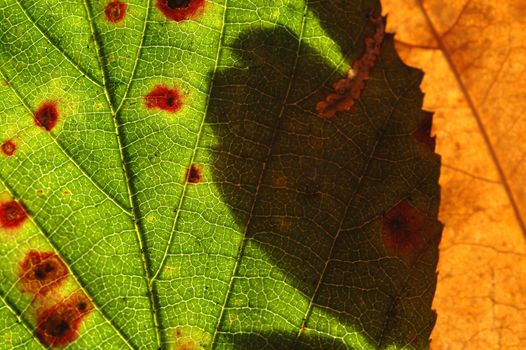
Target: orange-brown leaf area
<point>474,56</point>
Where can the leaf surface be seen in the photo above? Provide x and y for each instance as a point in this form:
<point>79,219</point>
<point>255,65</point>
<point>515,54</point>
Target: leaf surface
<point>193,191</point>
<point>473,54</point>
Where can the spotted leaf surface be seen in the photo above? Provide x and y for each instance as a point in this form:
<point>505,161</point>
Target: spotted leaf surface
<point>228,174</point>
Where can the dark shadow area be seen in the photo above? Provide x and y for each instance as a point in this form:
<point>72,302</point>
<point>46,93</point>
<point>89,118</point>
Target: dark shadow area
<point>311,191</point>
<point>344,21</point>
<point>278,341</point>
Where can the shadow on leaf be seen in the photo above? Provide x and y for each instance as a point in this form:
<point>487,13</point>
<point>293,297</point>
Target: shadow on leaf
<point>311,192</point>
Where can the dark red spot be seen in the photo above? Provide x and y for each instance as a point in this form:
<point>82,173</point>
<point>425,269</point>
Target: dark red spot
<point>46,115</point>
<point>12,214</point>
<point>406,231</point>
<point>41,272</point>
<point>8,148</point>
<point>179,10</point>
<point>115,11</point>
<point>423,132</point>
<point>194,174</point>
<point>59,324</point>
<point>164,98</point>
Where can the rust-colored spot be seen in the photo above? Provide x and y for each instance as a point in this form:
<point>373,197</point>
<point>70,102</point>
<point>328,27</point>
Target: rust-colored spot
<point>46,115</point>
<point>179,10</point>
<point>8,148</point>
<point>164,98</point>
<point>423,132</point>
<point>194,174</point>
<point>115,11</point>
<point>58,325</point>
<point>41,272</point>
<point>281,181</point>
<point>406,231</point>
<point>12,214</point>
<point>347,90</point>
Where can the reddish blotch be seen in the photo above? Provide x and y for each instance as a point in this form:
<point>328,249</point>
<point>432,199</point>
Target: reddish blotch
<point>348,90</point>
<point>406,231</point>
<point>164,98</point>
<point>8,148</point>
<point>194,174</point>
<point>46,115</point>
<point>180,10</point>
<point>41,272</point>
<point>115,11</point>
<point>12,214</point>
<point>58,325</point>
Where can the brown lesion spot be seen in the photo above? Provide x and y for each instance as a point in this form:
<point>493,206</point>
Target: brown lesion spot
<point>8,148</point>
<point>406,231</point>
<point>12,214</point>
<point>180,10</point>
<point>41,272</point>
<point>46,116</point>
<point>115,11</point>
<point>57,326</point>
<point>164,98</point>
<point>194,174</point>
<point>348,90</point>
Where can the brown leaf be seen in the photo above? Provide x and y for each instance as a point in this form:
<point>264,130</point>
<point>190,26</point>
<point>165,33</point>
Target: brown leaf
<point>474,56</point>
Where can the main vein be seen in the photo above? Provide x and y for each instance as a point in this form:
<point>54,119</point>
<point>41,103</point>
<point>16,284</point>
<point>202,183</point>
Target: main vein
<point>127,171</point>
<point>194,153</point>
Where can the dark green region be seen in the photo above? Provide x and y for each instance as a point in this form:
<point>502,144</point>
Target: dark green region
<point>312,191</point>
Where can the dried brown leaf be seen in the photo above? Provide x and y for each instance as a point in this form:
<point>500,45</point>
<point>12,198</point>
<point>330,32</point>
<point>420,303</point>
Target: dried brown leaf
<point>474,56</point>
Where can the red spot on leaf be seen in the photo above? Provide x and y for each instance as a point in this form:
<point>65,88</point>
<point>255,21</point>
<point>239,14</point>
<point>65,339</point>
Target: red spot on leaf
<point>348,90</point>
<point>46,115</point>
<point>164,98</point>
<point>12,214</point>
<point>281,181</point>
<point>423,132</point>
<point>58,325</point>
<point>115,11</point>
<point>41,272</point>
<point>406,231</point>
<point>194,174</point>
<point>8,148</point>
<point>179,10</point>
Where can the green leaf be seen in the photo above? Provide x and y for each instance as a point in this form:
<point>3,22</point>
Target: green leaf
<point>246,219</point>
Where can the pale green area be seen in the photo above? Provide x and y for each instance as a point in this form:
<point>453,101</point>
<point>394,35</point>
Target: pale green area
<point>242,260</point>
